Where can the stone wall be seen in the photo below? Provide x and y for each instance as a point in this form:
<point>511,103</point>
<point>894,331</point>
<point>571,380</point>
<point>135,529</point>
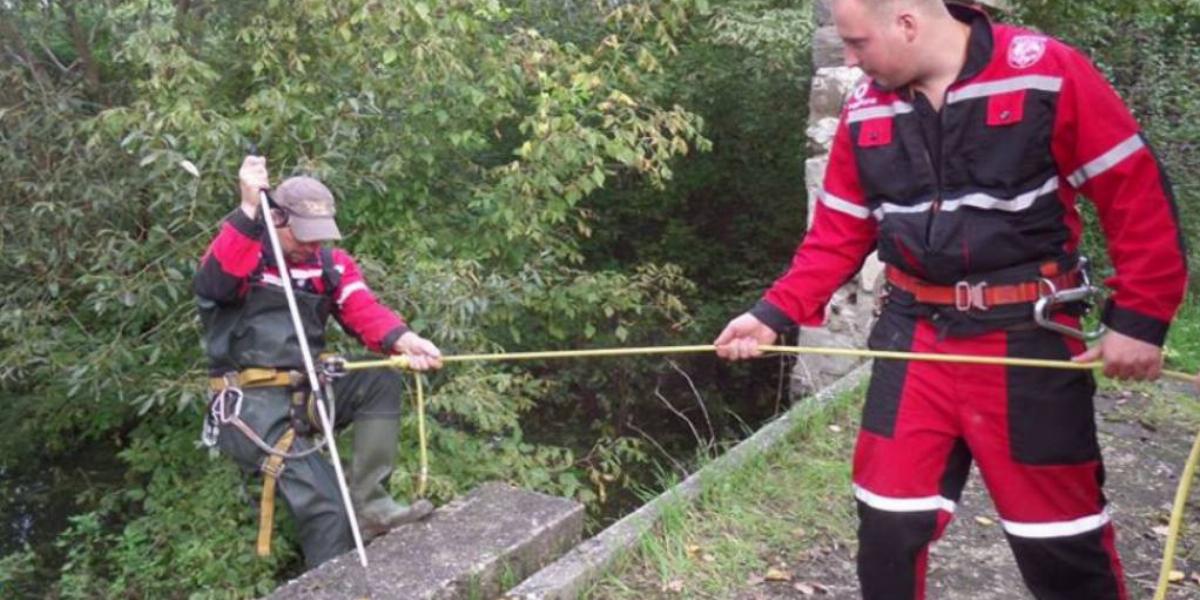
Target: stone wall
<point>850,312</point>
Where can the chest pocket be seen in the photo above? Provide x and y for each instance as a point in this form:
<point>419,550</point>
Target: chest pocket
<point>1006,109</point>
<point>875,132</point>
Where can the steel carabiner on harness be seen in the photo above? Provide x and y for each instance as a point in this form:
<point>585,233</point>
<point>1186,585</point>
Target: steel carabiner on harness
<point>1084,292</point>
<point>224,408</point>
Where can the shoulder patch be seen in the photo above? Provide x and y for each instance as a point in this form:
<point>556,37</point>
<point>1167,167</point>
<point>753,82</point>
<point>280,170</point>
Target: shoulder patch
<point>1025,50</point>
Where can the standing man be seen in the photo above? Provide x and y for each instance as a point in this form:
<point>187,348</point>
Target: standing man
<point>960,160</point>
<point>253,350</point>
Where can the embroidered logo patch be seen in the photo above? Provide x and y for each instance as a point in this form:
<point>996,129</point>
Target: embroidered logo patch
<point>1026,50</point>
<point>858,98</point>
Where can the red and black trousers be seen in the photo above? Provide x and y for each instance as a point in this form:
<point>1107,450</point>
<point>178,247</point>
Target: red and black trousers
<point>1032,433</point>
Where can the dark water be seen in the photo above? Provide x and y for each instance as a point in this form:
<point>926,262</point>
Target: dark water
<point>38,494</point>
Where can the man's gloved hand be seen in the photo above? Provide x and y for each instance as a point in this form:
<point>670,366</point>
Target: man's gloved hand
<point>422,354</point>
<point>252,179</point>
<point>742,336</point>
<point>1125,357</point>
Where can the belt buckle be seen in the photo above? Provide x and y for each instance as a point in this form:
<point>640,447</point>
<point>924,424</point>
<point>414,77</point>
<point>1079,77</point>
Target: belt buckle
<point>968,296</point>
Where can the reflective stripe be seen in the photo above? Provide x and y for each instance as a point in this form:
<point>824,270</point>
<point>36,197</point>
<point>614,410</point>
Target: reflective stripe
<point>986,202</point>
<point>843,206</point>
<point>272,279</point>
<point>977,200</point>
<point>1107,160</point>
<point>876,112</point>
<point>889,208</point>
<point>299,274</point>
<point>903,504</point>
<point>1044,83</point>
<point>1058,528</point>
<point>350,289</point>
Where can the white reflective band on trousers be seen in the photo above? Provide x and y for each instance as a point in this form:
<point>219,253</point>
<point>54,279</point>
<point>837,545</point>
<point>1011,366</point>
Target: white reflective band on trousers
<point>891,504</point>
<point>1058,529</point>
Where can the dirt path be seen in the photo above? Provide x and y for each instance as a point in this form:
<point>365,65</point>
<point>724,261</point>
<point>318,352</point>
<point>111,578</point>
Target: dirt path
<point>1143,457</point>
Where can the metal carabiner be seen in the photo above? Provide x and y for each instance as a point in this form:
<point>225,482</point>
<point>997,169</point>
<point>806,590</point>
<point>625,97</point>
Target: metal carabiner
<point>1084,292</point>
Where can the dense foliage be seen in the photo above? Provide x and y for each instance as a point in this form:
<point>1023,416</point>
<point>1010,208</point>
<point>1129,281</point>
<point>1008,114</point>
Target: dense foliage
<point>487,156</point>
<point>513,175</point>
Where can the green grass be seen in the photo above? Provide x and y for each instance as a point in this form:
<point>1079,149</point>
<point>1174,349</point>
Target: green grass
<point>1183,341</point>
<point>792,497</point>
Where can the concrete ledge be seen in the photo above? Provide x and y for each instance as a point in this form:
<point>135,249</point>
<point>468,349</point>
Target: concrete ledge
<point>471,548</point>
<point>570,575</point>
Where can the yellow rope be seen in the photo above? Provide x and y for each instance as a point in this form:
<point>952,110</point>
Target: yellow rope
<point>423,476</point>
<point>1181,495</point>
<point>401,361</point>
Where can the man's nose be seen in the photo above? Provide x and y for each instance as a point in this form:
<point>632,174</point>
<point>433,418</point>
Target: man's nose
<point>849,58</point>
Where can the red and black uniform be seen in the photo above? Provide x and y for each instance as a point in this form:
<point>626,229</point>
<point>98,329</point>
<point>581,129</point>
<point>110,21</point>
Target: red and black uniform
<point>984,190</point>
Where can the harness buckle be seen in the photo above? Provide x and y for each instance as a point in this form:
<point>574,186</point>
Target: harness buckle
<point>968,296</point>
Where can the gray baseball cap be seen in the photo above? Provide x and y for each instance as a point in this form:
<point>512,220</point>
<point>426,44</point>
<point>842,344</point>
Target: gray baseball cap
<point>310,207</point>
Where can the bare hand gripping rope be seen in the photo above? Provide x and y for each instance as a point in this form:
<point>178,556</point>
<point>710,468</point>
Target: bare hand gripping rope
<point>401,362</point>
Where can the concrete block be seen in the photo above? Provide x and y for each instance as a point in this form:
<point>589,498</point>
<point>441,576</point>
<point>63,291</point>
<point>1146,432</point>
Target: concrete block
<point>495,535</point>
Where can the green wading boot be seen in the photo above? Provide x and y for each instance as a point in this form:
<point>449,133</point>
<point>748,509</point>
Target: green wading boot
<point>370,468</point>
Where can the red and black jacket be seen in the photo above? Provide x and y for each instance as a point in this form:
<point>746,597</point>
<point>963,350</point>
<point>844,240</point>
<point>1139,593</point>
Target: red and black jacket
<point>986,188</point>
<point>246,320</point>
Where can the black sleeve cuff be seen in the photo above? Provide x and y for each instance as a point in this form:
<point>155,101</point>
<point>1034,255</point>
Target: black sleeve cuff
<point>772,317</point>
<point>1135,324</point>
<point>251,228</point>
<point>389,340</point>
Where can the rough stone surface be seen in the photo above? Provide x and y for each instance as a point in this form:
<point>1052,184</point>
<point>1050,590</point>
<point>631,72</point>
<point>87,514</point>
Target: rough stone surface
<point>467,549</point>
<point>822,14</point>
<point>826,48</point>
<point>851,310</point>
<point>830,87</point>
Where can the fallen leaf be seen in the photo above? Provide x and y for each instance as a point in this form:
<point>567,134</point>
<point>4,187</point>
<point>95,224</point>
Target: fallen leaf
<point>805,589</point>
<point>1162,530</point>
<point>1175,576</point>
<point>708,558</point>
<point>675,585</point>
<point>754,579</point>
<point>774,574</point>
<point>188,166</point>
<point>692,550</point>
<point>835,428</point>
<point>986,522</point>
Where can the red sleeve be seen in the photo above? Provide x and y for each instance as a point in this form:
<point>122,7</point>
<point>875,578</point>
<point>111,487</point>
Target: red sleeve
<point>1101,152</point>
<point>230,259</point>
<point>842,234</point>
<point>360,312</point>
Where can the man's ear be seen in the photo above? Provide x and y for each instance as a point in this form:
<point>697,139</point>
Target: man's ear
<point>909,25</point>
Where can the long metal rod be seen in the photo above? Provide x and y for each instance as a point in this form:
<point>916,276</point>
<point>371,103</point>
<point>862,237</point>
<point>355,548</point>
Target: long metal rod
<point>311,371</point>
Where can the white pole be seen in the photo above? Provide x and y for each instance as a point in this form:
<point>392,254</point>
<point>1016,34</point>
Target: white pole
<point>311,371</point>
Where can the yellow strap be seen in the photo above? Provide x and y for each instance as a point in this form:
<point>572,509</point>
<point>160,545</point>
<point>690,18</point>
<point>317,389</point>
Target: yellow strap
<point>253,377</point>
<point>266,513</point>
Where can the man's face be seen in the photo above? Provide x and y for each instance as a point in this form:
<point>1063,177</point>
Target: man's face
<point>294,250</point>
<point>877,40</point>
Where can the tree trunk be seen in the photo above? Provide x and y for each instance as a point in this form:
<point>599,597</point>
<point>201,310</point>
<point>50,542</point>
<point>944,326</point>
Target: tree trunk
<point>79,39</point>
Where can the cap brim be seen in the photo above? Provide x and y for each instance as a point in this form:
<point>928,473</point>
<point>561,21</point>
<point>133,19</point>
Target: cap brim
<point>314,229</point>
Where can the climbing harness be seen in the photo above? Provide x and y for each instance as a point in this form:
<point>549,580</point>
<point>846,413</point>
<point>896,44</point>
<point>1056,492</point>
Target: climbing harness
<point>225,408</point>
